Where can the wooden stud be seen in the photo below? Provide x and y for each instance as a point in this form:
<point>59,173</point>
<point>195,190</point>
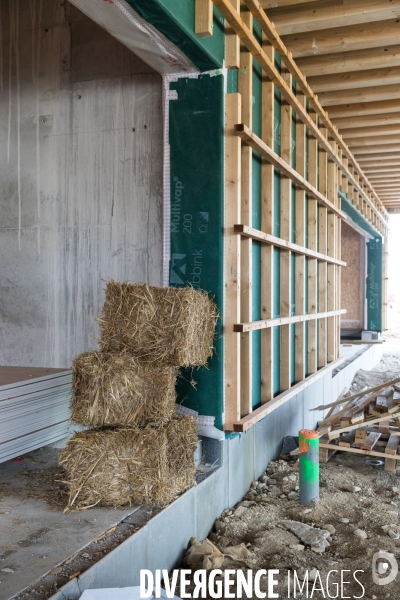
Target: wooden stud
<point>232,261</point>
<point>286,273</point>
<point>246,350</point>
<point>267,225</point>
<point>332,250</point>
<point>300,261</point>
<point>232,43</point>
<point>313,245</point>
<point>344,181</point>
<point>204,18</point>
<point>323,247</point>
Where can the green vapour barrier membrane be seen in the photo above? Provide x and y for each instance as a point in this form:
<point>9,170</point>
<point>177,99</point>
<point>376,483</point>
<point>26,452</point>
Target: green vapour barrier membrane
<point>350,209</point>
<point>374,266</point>
<point>176,20</point>
<point>374,284</point>
<point>197,219</point>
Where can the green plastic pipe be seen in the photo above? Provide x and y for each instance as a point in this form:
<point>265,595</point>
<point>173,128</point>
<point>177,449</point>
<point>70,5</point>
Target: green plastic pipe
<point>309,466</point>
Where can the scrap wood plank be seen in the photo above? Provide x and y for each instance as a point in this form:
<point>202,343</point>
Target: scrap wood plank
<point>335,448</point>
<point>396,397</point>
<point>384,425</point>
<point>381,403</point>
<point>391,450</point>
<point>370,441</point>
<point>358,417</point>
<point>333,410</point>
<point>353,405</point>
<point>392,445</point>
<point>337,432</point>
<point>347,440</point>
<point>325,454</point>
<point>372,410</point>
<point>360,436</point>
<point>358,394</point>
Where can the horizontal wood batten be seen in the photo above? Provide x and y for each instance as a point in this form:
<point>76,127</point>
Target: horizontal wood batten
<point>252,140</point>
<point>276,402</point>
<point>267,238</point>
<point>267,323</point>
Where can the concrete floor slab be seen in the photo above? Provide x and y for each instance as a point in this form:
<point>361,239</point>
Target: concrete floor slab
<point>36,535</point>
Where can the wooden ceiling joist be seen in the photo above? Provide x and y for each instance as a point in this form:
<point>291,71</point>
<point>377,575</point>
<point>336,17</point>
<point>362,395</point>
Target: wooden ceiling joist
<point>375,141</point>
<point>380,176</point>
<point>372,149</point>
<point>367,121</point>
<point>384,177</point>
<point>349,39</point>
<point>364,108</point>
<point>348,81</point>
<point>381,171</point>
<point>374,131</point>
<point>361,94</point>
<point>273,3</point>
<point>299,17</point>
<point>392,155</point>
<point>342,62</point>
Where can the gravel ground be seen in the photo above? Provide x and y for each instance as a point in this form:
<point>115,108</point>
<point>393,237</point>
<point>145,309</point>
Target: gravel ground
<point>359,506</point>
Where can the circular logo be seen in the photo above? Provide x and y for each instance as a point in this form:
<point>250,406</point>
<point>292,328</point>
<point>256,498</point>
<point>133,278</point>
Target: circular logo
<point>384,568</point>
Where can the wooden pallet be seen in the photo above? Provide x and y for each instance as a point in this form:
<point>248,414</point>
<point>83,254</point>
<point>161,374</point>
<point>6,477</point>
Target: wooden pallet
<point>365,423</point>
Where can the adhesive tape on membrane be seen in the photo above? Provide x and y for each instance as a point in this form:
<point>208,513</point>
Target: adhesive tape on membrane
<point>144,40</point>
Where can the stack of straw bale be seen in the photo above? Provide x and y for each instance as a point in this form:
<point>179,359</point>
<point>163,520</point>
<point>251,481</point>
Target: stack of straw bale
<point>137,449</point>
<point>118,466</point>
<point>172,326</point>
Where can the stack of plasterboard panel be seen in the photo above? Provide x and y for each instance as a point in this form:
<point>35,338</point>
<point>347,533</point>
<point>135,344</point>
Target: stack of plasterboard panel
<point>34,408</point>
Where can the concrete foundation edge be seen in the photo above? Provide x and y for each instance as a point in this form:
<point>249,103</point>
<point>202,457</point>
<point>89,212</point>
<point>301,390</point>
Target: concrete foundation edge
<point>162,543</point>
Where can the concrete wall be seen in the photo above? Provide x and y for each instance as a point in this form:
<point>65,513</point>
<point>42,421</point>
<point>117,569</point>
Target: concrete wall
<point>80,178</point>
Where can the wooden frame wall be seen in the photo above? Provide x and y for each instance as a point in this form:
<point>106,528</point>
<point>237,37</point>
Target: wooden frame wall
<point>312,258</point>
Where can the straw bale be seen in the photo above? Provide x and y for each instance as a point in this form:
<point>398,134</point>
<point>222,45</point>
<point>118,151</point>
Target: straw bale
<point>117,389</point>
<point>114,467</point>
<point>182,439</point>
<point>175,326</point>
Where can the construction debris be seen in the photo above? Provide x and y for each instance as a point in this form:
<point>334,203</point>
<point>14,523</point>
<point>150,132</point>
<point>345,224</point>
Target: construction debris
<point>116,389</point>
<point>130,466</point>
<point>205,555</point>
<point>367,422</point>
<point>175,326</point>
<point>310,536</point>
